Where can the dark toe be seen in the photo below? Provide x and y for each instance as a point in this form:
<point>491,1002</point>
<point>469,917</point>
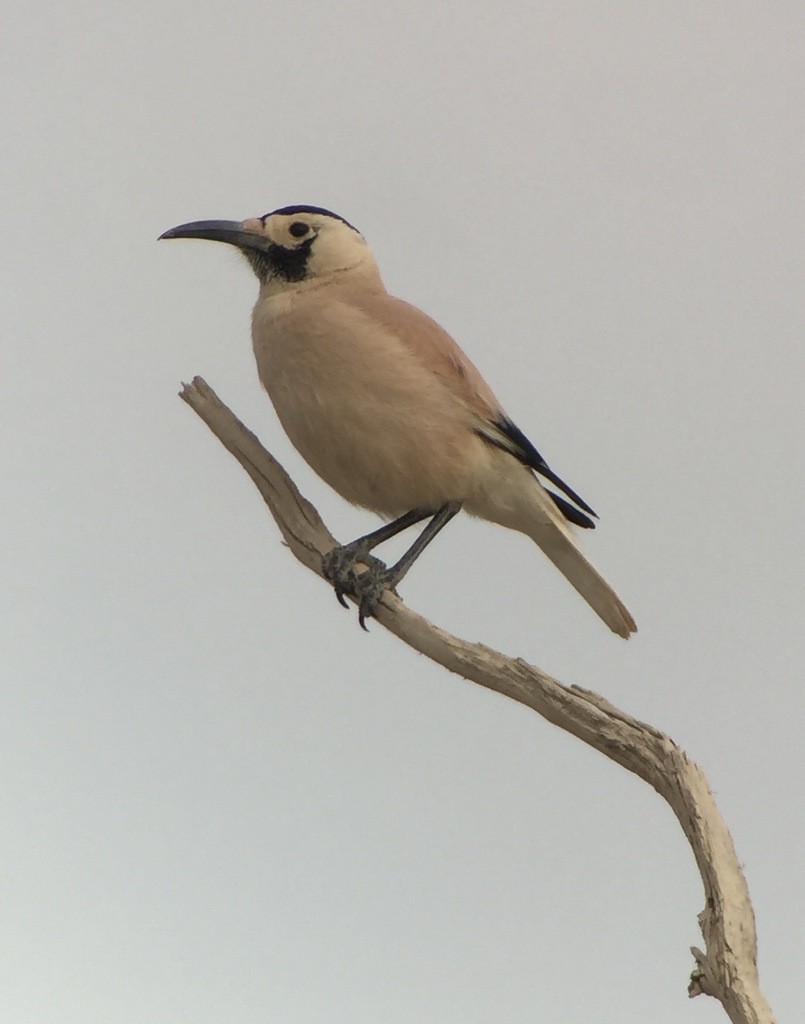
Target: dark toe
<point>338,566</point>
<point>369,588</point>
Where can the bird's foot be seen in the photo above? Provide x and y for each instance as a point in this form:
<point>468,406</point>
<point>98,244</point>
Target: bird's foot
<point>339,568</point>
<point>370,587</point>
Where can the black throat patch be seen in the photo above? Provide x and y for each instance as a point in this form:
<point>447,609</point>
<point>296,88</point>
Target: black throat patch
<point>277,261</point>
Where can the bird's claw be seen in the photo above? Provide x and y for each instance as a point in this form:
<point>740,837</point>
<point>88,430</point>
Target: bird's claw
<point>369,588</point>
<point>366,587</point>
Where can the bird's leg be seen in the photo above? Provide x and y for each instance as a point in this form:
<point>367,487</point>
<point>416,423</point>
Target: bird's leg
<point>370,585</point>
<point>338,565</point>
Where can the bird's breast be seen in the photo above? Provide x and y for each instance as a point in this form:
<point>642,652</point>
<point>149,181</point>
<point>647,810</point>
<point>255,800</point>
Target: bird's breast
<point>361,408</point>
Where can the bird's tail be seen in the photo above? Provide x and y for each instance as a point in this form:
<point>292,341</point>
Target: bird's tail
<point>588,581</point>
<point>560,547</point>
<point>513,497</point>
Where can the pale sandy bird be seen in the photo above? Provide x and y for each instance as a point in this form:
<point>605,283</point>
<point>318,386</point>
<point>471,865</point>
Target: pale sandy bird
<point>388,410</point>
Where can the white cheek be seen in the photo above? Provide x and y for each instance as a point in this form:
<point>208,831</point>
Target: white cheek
<point>334,252</point>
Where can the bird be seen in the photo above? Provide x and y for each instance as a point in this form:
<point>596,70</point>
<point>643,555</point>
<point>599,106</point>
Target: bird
<point>388,410</point>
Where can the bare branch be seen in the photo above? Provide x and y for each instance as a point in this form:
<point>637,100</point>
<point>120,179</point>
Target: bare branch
<point>727,969</point>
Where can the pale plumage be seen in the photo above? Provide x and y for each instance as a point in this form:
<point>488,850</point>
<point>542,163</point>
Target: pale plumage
<point>387,409</point>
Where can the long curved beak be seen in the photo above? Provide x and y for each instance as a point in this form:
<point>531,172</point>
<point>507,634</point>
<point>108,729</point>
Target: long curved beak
<point>230,231</point>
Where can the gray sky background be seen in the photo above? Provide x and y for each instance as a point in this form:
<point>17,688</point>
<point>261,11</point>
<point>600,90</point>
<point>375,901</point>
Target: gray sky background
<point>222,802</point>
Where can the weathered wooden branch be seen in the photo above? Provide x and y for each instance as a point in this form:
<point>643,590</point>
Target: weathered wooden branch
<point>727,969</point>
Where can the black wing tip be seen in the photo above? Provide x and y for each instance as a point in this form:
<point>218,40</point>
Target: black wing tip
<point>549,474</point>
<point>571,513</point>
<point>531,457</point>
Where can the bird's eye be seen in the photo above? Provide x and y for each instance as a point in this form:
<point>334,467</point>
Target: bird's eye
<point>298,229</point>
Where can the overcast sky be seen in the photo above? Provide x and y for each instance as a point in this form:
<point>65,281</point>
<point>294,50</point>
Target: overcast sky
<point>222,803</point>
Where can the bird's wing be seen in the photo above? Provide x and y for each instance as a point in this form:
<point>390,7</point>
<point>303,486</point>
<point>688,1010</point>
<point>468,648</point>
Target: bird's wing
<point>507,435</point>
<point>435,348</point>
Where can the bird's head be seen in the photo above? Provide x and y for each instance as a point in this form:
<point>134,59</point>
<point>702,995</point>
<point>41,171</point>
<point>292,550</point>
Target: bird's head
<point>289,245</point>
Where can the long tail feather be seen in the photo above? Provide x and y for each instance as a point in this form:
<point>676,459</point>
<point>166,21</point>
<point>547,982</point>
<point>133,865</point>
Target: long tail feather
<point>592,586</point>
